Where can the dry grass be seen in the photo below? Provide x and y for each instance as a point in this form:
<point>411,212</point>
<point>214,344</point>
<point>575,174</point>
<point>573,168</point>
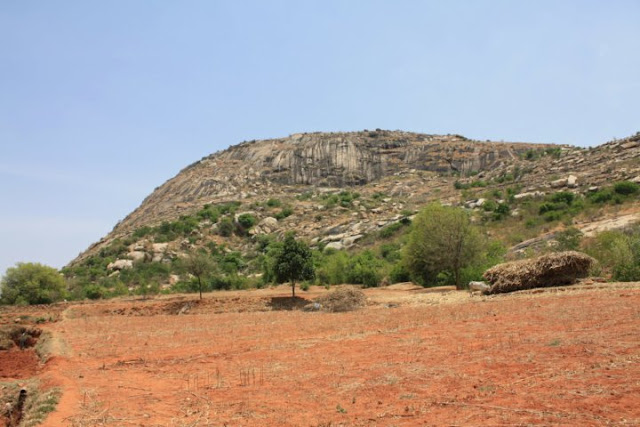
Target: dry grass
<point>562,268</point>
<point>343,299</point>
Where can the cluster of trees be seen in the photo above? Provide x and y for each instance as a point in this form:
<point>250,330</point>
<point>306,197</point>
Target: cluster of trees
<point>440,248</point>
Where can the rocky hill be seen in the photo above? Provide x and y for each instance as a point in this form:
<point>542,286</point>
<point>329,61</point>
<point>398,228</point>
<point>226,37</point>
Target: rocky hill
<point>338,187</point>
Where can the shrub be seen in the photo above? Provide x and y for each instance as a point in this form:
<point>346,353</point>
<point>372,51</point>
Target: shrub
<point>274,203</point>
<point>618,253</point>
<point>225,227</point>
<point>334,269</point>
<point>563,196</point>
<point>501,211</point>
<point>284,213</point>
<point>601,196</point>
<point>246,221</point>
<point>569,239</point>
<point>32,283</point>
<point>364,269</point>
<point>390,230</point>
<point>399,273</point>
<point>552,216</point>
<point>95,292</point>
<point>626,188</point>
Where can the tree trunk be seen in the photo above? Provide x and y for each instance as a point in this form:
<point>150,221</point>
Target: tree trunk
<point>200,287</point>
<point>293,289</point>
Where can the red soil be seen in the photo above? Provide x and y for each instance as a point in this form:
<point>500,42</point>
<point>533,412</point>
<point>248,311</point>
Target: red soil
<point>18,364</point>
<point>554,357</point>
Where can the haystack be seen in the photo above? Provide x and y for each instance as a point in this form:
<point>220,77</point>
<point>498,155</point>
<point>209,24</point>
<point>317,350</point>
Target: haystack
<point>343,299</point>
<point>555,269</point>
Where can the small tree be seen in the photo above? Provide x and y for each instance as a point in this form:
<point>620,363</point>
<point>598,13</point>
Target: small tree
<point>292,262</point>
<point>32,283</point>
<point>442,241</point>
<point>200,265</point>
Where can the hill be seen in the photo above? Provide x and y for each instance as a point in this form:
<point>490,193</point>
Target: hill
<point>346,190</point>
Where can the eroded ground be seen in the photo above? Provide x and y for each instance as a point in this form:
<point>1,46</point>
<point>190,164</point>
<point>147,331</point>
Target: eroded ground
<point>566,356</point>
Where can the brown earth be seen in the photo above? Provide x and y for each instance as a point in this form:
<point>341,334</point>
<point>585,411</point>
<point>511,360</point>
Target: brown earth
<point>565,356</point>
<point>17,364</point>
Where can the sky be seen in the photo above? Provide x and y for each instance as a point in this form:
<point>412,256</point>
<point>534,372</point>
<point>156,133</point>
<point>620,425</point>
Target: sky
<point>101,102</point>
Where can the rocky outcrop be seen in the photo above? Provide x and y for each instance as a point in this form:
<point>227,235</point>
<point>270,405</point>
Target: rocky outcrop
<point>396,173</point>
<point>348,159</point>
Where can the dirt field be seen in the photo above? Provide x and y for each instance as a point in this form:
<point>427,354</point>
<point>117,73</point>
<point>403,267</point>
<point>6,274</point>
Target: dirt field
<point>567,356</point>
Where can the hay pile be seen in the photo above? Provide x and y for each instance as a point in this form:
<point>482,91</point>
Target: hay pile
<point>343,299</point>
<point>562,268</point>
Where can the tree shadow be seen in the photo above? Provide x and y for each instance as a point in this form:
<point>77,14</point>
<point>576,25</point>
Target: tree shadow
<point>287,303</point>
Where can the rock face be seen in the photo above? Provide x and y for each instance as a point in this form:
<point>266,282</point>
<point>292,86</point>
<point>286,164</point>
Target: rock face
<point>316,159</point>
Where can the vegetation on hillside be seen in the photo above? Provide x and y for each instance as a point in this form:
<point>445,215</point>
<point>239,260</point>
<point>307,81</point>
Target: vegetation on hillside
<point>441,246</point>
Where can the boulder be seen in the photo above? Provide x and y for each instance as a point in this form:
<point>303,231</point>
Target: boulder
<point>349,241</point>
<point>159,248</point>
<point>334,245</point>
<point>120,264</point>
<point>572,181</point>
<point>136,256</point>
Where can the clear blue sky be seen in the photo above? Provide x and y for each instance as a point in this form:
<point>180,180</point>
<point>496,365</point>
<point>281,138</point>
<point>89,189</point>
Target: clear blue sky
<point>100,102</point>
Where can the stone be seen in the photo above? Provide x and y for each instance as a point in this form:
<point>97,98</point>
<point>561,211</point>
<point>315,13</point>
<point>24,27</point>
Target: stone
<point>120,264</point>
<point>338,246</point>
<point>157,248</point>
<point>137,256</point>
<point>269,222</point>
<point>351,240</point>
<point>572,181</point>
<point>531,194</point>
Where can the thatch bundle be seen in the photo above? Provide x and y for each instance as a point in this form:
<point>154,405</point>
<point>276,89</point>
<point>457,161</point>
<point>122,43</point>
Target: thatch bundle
<point>343,299</point>
<point>562,268</point>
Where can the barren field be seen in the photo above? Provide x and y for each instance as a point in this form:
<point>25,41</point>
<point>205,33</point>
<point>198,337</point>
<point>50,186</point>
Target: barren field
<point>567,356</point>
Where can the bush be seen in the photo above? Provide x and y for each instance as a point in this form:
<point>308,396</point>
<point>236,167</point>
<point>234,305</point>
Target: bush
<point>364,269</point>
<point>247,221</point>
<point>399,273</point>
<point>95,292</point>
<point>626,188</point>
<point>601,196</point>
<point>274,203</point>
<point>569,239</point>
<point>334,269</point>
<point>563,196</point>
<point>225,227</point>
<point>390,230</point>
<point>284,213</point>
<point>618,253</point>
<point>32,283</point>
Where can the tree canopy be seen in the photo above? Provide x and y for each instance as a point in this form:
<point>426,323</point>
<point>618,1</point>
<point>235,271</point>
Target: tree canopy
<point>200,265</point>
<point>32,283</point>
<point>292,262</point>
<point>442,241</point>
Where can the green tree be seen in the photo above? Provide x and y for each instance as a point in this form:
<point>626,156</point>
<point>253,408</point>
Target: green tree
<point>442,240</point>
<point>199,265</point>
<point>292,262</point>
<point>32,283</point>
